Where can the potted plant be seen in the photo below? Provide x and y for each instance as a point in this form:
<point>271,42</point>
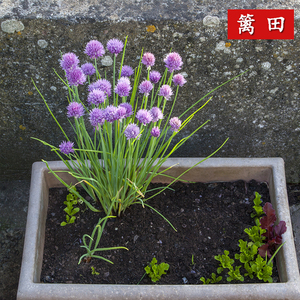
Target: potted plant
<point>270,170</point>
<point>108,164</point>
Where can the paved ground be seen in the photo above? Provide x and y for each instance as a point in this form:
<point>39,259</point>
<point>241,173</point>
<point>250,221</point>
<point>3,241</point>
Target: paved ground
<point>14,197</point>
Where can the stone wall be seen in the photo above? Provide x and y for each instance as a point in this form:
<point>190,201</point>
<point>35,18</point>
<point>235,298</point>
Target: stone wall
<point>258,111</point>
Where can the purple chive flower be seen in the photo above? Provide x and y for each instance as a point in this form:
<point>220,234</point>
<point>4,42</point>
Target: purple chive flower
<point>123,87</point>
<point>148,59</point>
<point>155,76</point>
<point>126,71</point>
<point>75,76</point>
<point>115,46</point>
<point>145,87</point>
<point>88,69</point>
<point>96,97</point>
<point>155,132</point>
<point>101,84</point>
<point>66,147</point>
<point>97,117</point>
<point>94,49</point>
<point>144,116</point>
<point>165,91</point>
<point>110,113</point>
<point>156,114</point>
<point>175,124</point>
<point>178,79</point>
<point>75,110</point>
<point>121,112</point>
<point>132,131</point>
<point>173,61</point>
<point>128,109</point>
<point>69,61</point>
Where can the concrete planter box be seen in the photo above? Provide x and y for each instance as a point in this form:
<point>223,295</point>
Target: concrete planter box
<point>270,170</point>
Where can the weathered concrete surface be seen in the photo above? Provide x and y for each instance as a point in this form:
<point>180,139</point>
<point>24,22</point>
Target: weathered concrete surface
<point>136,10</point>
<point>259,111</point>
<point>14,196</point>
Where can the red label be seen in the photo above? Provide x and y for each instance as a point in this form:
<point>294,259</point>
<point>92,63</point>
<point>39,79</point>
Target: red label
<point>264,24</point>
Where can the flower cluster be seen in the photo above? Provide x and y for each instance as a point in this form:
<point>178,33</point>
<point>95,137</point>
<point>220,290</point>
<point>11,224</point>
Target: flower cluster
<point>148,60</point>
<point>75,110</point>
<point>115,46</point>
<point>146,87</point>
<point>123,87</point>
<point>66,147</point>
<point>156,114</point>
<point>173,61</point>
<point>166,92</point>
<point>101,84</point>
<point>110,114</point>
<point>126,71</point>
<point>96,97</point>
<point>101,90</point>
<point>88,69</point>
<point>132,131</point>
<point>97,117</point>
<point>94,49</point>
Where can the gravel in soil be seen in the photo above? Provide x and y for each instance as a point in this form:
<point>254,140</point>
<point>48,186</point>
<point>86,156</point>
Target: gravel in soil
<point>209,219</point>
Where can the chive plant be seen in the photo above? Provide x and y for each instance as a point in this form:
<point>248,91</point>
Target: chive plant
<point>132,128</point>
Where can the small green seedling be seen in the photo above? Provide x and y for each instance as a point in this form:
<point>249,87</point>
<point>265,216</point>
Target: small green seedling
<point>94,272</point>
<point>256,233</point>
<point>234,274</point>
<point>70,210</point>
<point>225,261</point>
<point>254,255</point>
<point>213,279</point>
<point>92,247</point>
<point>257,206</point>
<point>155,271</point>
<point>193,263</point>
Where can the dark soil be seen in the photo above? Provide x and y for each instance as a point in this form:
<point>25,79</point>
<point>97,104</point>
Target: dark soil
<point>209,219</point>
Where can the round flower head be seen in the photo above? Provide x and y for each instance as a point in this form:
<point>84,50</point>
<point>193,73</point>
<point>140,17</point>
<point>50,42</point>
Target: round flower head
<point>155,132</point>
<point>165,91</point>
<point>75,110</point>
<point>96,97</point>
<point>144,116</point>
<point>120,113</point>
<point>66,147</point>
<point>175,124</point>
<point>94,49</point>
<point>123,87</point>
<point>128,109</point>
<point>173,61</point>
<point>132,131</point>
<point>154,76</point>
<point>97,117</point>
<point>156,114</point>
<point>145,87</point>
<point>75,76</point>
<point>101,84</point>
<point>115,46</point>
<point>110,113</point>
<point>69,61</point>
<point>88,69</point>
<point>178,79</point>
<point>126,71</point>
<point>148,59</point>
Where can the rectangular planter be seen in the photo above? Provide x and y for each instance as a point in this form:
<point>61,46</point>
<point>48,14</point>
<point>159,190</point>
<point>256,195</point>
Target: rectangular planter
<point>270,170</point>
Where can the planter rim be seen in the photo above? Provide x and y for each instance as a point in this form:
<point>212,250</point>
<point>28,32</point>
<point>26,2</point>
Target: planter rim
<point>270,170</point>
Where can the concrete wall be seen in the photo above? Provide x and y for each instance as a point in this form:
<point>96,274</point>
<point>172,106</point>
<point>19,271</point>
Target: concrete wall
<point>259,111</point>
